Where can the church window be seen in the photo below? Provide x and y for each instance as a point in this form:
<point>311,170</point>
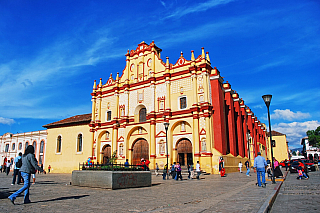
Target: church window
<point>34,145</point>
<point>79,143</point>
<point>183,102</point>
<point>203,145</point>
<point>58,144</point>
<point>143,115</point>
<point>41,146</point>
<point>161,147</point>
<point>183,127</point>
<point>121,149</point>
<point>7,148</point>
<point>108,115</point>
<point>20,146</point>
<point>107,135</point>
<point>27,144</point>
<point>13,146</point>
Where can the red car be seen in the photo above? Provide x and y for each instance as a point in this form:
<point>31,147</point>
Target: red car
<point>282,163</point>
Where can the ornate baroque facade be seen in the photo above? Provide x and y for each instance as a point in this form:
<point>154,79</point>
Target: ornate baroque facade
<point>207,118</point>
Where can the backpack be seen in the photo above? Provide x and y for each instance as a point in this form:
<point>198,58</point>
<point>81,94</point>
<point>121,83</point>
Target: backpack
<point>19,163</point>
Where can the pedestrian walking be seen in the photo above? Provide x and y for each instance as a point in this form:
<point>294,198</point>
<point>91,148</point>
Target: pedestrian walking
<point>49,167</point>
<point>277,170</point>
<point>173,170</point>
<point>260,164</point>
<point>179,171</point>
<point>165,171</point>
<point>222,170</point>
<point>198,170</point>
<point>157,169</point>
<point>8,167</point>
<point>16,171</point>
<point>29,166</point>
<point>240,167</point>
<point>247,164</point>
<point>286,164</point>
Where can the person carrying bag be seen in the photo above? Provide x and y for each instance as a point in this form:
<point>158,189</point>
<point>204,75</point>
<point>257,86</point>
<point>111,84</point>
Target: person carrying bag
<point>29,166</point>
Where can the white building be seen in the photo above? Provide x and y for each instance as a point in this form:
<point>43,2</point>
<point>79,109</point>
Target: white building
<point>311,152</point>
<point>12,144</point>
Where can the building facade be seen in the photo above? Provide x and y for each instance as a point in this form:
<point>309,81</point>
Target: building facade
<point>12,144</point>
<point>69,142</point>
<point>281,149</point>
<point>309,151</point>
<point>207,118</point>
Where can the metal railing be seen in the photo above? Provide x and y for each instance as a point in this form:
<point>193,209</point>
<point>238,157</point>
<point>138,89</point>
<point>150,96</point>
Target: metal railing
<point>112,167</point>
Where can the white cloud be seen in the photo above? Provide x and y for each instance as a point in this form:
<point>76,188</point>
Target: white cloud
<point>295,131</point>
<point>182,11</point>
<point>288,115</point>
<point>7,121</point>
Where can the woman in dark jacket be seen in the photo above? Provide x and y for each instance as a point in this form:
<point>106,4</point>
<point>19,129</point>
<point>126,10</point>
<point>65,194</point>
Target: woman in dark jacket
<point>29,166</point>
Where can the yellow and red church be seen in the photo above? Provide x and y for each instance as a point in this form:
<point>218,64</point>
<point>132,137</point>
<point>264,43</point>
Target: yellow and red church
<point>207,118</point>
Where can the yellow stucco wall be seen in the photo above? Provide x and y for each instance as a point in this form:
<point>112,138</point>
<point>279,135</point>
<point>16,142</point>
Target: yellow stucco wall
<point>68,159</point>
<point>280,152</point>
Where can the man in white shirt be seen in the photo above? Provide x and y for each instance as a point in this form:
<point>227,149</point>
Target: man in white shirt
<point>198,170</point>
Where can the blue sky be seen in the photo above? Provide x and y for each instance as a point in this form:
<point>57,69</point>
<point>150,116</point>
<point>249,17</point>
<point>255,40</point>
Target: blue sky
<point>52,51</point>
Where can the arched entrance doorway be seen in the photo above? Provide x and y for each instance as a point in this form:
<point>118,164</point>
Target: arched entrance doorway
<point>106,154</point>
<point>184,150</point>
<point>140,150</point>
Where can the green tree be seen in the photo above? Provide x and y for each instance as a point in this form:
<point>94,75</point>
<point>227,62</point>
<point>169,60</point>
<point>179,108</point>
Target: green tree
<point>294,153</point>
<point>314,137</point>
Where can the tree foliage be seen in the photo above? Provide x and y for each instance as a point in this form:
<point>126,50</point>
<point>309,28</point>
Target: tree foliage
<point>314,137</point>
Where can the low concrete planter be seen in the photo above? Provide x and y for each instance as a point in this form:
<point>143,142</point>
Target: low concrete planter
<point>111,179</point>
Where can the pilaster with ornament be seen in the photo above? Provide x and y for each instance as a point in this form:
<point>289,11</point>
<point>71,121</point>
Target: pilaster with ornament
<point>168,89</point>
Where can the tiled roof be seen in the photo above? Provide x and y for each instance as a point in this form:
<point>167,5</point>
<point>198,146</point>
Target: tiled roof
<point>275,133</point>
<point>72,121</point>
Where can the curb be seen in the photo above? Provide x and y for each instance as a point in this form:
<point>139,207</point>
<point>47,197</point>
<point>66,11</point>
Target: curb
<point>267,205</point>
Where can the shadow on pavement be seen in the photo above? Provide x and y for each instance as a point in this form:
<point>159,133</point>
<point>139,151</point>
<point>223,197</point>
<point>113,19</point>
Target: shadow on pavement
<point>62,198</point>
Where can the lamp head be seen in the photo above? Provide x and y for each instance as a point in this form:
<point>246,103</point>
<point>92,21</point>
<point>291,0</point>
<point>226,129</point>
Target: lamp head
<point>166,125</point>
<point>267,99</point>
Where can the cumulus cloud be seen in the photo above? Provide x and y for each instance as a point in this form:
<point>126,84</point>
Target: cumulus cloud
<point>7,121</point>
<point>288,115</point>
<point>295,131</point>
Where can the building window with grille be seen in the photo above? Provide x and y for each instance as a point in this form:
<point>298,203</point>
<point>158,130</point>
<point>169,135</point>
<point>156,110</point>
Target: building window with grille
<point>27,144</point>
<point>183,102</point>
<point>20,146</point>
<point>108,115</point>
<point>143,115</point>
<point>34,145</point>
<point>59,144</point>
<point>7,148</point>
<point>13,146</point>
<point>79,143</point>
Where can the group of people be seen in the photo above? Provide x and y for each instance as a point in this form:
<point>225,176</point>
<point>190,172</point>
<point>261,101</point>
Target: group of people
<point>175,171</point>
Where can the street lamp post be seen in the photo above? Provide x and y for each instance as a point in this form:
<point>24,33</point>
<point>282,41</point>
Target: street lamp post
<point>166,126</point>
<point>267,100</point>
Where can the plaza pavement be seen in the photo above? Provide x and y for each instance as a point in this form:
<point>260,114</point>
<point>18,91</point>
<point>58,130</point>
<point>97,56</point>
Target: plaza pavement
<point>298,195</point>
<point>53,193</point>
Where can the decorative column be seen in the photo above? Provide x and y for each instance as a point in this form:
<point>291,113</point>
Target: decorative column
<point>231,124</point>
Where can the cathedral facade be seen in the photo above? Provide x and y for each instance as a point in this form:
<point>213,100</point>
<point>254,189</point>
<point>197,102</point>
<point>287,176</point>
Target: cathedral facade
<point>206,118</point>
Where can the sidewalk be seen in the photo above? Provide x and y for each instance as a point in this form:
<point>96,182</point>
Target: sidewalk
<point>53,193</point>
<point>299,195</point>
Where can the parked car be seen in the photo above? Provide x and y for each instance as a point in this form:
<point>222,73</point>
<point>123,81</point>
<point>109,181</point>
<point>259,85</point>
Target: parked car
<point>283,164</point>
<point>309,164</point>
